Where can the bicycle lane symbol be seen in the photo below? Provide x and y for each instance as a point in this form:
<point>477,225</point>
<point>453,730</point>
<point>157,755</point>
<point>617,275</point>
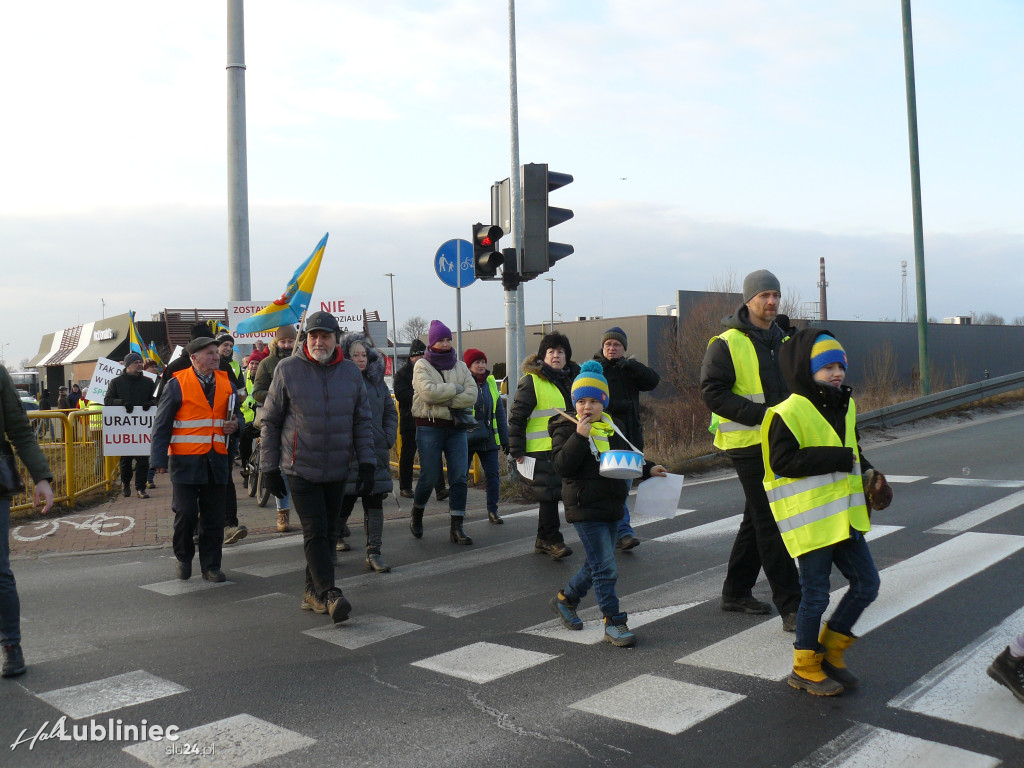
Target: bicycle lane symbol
<point>101,524</point>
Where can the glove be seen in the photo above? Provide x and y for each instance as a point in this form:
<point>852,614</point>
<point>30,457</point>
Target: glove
<point>877,490</point>
<point>459,389</point>
<point>129,408</point>
<point>147,406</point>
<point>273,481</point>
<point>364,483</point>
<point>505,449</point>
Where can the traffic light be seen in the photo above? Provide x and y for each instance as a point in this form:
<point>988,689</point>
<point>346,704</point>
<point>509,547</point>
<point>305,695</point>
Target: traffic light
<point>539,253</point>
<point>486,258</point>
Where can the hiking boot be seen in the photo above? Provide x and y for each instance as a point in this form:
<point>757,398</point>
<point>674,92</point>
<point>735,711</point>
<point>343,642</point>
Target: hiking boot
<point>183,570</point>
<point>617,633</point>
<point>808,676</point>
<point>1005,670</point>
<point>337,606</point>
<point>235,533</point>
<point>405,493</point>
<point>789,622</point>
<point>126,490</point>
<point>14,661</point>
<point>627,542</point>
<point>282,521</point>
<point>556,550</point>
<point>835,644</point>
<point>310,602</point>
<point>416,522</point>
<point>748,604</point>
<point>141,493</point>
<point>216,575</point>
<point>566,611</point>
<point>442,494</point>
<point>374,563</point>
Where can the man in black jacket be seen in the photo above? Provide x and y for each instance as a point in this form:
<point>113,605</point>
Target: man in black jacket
<point>132,388</point>
<point>407,424</point>
<point>740,379</point>
<point>627,378</point>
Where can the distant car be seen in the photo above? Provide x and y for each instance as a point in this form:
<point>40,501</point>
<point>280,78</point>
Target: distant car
<point>29,403</point>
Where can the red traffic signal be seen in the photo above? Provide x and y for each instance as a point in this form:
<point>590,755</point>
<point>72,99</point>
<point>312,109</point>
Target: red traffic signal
<point>486,258</point>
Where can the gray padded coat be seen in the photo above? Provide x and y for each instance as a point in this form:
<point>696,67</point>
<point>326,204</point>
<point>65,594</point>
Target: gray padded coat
<point>384,417</point>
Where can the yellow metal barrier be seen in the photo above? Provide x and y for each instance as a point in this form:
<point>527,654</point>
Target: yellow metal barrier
<point>73,446</point>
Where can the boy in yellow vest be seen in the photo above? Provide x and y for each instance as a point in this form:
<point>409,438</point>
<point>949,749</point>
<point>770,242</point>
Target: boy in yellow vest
<point>816,479</point>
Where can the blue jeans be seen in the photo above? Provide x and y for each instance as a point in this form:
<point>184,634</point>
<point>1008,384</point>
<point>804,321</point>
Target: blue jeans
<point>624,528</point>
<point>10,607</point>
<point>599,569</point>
<point>285,502</point>
<point>431,443</point>
<point>489,462</point>
<point>853,559</point>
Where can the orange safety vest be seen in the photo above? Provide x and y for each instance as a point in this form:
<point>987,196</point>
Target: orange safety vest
<point>196,425</point>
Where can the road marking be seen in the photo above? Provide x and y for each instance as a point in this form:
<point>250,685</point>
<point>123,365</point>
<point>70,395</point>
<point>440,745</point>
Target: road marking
<point>980,515</point>
<point>362,630</point>
<point>723,527</point>
<point>236,742</point>
<point>765,651</point>
<point>483,662</point>
<point>183,587</point>
<point>264,597</point>
<point>972,483</point>
<point>665,705</point>
<point>865,745</point>
<point>593,630</point>
<point>905,478</point>
<point>266,570</point>
<point>111,693</point>
<point>49,648</point>
<point>959,691</point>
<point>279,542</point>
<point>459,610</point>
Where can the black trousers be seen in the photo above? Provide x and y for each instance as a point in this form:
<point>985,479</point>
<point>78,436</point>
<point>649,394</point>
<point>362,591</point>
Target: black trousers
<point>141,470</point>
<point>406,460</point>
<point>201,505</point>
<point>759,544</point>
<point>548,523</point>
<point>318,506</point>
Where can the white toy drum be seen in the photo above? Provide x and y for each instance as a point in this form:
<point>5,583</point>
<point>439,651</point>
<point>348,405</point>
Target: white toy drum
<point>622,465</point>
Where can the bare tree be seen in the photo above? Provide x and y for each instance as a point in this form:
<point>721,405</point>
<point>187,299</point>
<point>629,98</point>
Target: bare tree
<point>988,318</point>
<point>1018,320</point>
<point>413,328</point>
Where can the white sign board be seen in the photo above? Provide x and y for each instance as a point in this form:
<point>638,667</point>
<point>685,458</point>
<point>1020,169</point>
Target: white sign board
<point>127,434</point>
<point>347,311</point>
<point>105,371</point>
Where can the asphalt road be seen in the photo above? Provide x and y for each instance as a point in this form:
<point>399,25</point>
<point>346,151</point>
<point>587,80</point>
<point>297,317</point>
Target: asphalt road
<point>454,658</point>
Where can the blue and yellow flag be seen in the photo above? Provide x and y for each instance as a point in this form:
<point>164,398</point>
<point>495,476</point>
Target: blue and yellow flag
<point>293,302</point>
<point>135,342</point>
<point>152,354</point>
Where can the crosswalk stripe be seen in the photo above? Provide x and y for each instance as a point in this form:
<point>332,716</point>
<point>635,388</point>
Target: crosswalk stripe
<point>659,703</point>
<point>593,630</point>
<point>99,696</point>
<point>236,742</point>
<point>361,630</point>
<point>183,587</point>
<point>765,651</point>
<point>980,515</point>
<point>717,528</point>
<point>266,570</point>
<point>47,647</point>
<point>483,662</point>
<point>905,478</point>
<point>972,483</point>
<point>866,745</point>
<point>959,690</point>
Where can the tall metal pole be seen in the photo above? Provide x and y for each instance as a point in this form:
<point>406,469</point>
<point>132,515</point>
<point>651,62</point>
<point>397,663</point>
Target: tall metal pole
<point>458,297</point>
<point>515,330</point>
<point>915,190</point>
<point>394,326</point>
<point>239,285</point>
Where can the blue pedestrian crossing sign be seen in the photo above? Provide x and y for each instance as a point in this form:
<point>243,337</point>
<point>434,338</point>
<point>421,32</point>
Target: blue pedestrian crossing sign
<point>453,263</point>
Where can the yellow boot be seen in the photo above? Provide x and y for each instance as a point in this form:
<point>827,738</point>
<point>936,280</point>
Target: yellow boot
<point>835,644</point>
<point>807,674</point>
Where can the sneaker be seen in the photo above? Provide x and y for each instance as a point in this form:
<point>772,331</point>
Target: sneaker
<point>405,493</point>
<point>442,494</point>
<point>627,542</point>
<point>141,493</point>
<point>566,611</point>
<point>746,604</point>
<point>14,661</point>
<point>183,570</point>
<point>150,484</point>
<point>337,606</point>
<point>235,533</point>
<point>216,575</point>
<point>311,602</point>
<point>1005,670</point>
<point>617,633</point>
<point>789,622</point>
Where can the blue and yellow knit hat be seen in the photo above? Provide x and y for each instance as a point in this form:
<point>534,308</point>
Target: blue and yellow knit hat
<point>590,383</point>
<point>826,350</point>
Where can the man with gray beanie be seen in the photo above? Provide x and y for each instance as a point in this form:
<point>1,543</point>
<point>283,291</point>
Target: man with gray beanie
<point>740,379</point>
<point>132,389</point>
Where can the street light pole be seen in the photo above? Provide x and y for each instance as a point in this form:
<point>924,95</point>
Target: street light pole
<point>552,281</point>
<point>394,326</point>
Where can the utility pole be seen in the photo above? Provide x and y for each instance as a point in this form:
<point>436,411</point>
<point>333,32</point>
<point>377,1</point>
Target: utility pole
<point>239,283</point>
<point>515,322</point>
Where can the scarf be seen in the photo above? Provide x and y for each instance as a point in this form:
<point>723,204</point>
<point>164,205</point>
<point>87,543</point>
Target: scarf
<point>602,430</point>
<point>481,378</point>
<point>442,361</point>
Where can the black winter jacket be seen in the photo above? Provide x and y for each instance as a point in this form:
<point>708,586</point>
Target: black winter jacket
<point>15,426</point>
<point>787,458</point>
<point>627,378</point>
<point>129,389</point>
<point>265,371</point>
<point>403,394</point>
<point>717,376</point>
<point>384,418</point>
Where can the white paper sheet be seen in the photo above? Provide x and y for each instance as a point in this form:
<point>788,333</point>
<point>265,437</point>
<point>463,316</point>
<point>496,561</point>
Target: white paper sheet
<point>658,497</point>
<point>526,468</point>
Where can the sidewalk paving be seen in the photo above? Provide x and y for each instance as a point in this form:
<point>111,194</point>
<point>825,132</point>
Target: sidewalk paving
<point>135,522</point>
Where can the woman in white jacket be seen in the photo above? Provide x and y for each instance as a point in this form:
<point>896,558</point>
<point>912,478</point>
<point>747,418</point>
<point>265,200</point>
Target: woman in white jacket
<point>441,381</point>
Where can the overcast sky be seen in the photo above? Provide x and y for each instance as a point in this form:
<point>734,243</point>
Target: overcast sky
<point>706,139</point>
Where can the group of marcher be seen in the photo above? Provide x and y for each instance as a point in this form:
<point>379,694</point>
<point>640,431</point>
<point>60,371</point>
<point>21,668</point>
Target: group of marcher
<point>780,410</point>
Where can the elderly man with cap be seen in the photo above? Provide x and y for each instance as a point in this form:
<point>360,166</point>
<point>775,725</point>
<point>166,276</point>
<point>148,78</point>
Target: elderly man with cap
<point>280,348</point>
<point>198,411</point>
<point>316,419</point>
<point>132,389</point>
<point>740,379</point>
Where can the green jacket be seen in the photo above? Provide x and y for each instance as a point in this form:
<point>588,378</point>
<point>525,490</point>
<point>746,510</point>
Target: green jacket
<point>15,426</point>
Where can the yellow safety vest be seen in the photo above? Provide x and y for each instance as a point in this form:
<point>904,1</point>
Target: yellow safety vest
<point>549,397</point>
<point>816,511</point>
<point>731,434</point>
<point>491,385</point>
<point>248,406</point>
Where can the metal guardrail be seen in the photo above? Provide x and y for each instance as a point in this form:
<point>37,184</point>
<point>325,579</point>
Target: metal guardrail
<point>900,413</point>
